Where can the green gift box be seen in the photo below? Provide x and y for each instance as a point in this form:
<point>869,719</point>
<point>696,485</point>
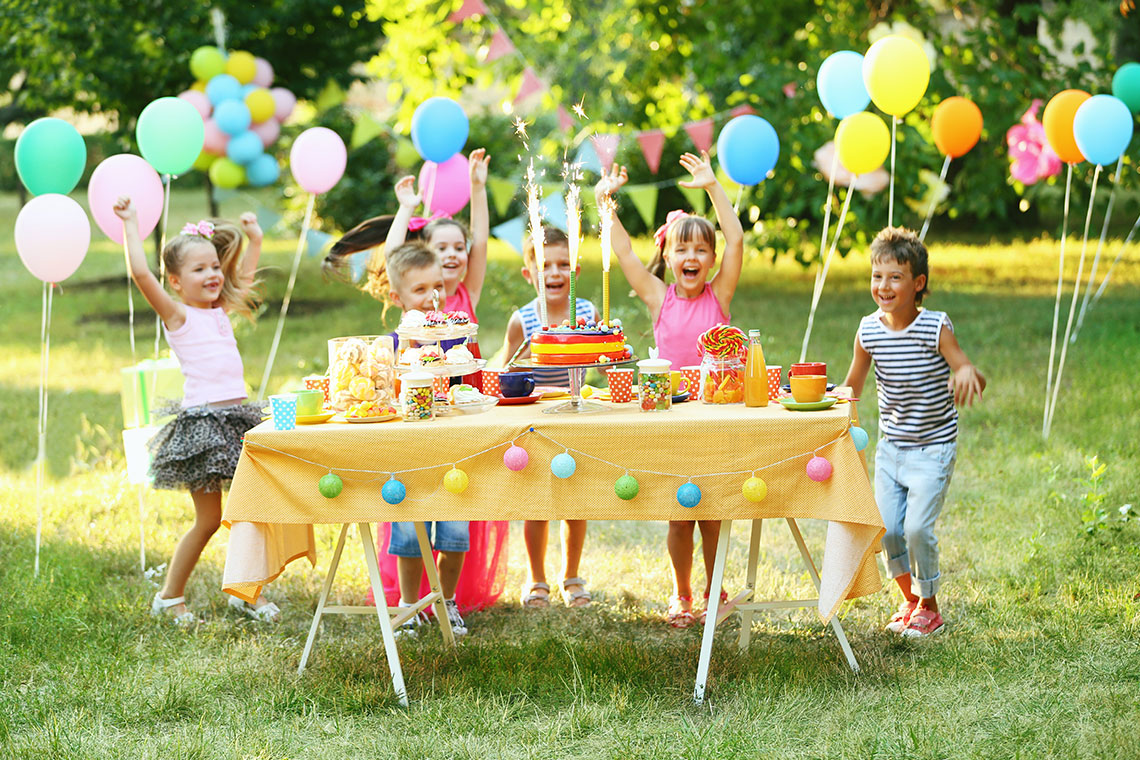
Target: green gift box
<point>150,383</point>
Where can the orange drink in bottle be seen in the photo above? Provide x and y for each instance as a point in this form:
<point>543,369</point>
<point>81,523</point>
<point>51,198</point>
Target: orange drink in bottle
<point>755,373</point>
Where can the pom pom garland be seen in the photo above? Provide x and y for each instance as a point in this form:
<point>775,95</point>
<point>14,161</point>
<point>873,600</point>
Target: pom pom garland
<point>859,437</point>
<point>330,486</point>
<point>455,480</point>
<point>626,487</point>
<point>818,469</point>
<point>754,489</point>
<point>563,465</point>
<point>689,495</point>
<point>516,458</point>
<point>393,492</point>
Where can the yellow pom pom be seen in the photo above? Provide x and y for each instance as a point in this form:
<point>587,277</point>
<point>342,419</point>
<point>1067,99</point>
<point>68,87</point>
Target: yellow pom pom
<point>455,480</point>
<point>754,489</point>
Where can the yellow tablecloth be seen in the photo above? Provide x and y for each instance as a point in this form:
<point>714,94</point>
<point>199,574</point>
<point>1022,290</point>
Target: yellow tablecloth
<point>274,501</point>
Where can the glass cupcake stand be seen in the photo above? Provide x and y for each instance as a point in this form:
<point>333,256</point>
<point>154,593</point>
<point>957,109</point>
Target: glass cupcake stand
<point>433,337</point>
<point>577,373</point>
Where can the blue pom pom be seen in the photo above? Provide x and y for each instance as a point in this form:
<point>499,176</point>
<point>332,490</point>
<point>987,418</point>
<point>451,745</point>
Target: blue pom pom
<point>563,466</point>
<point>689,495</point>
<point>860,438</point>
<point>393,492</point>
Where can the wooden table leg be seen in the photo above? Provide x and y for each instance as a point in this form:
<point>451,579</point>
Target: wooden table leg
<point>433,581</point>
<point>382,612</point>
<point>750,587</point>
<point>814,573</point>
<point>711,616</point>
<point>323,599</point>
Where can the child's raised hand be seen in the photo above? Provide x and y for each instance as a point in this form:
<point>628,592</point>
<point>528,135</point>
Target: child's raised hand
<point>250,227</point>
<point>477,165</point>
<point>406,192</point>
<point>612,182</point>
<point>124,209</point>
<point>967,382</point>
<point>700,168</point>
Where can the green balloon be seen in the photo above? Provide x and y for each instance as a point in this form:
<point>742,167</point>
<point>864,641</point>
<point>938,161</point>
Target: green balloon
<point>226,174</point>
<point>170,133</point>
<point>50,156</point>
<point>330,486</point>
<point>207,62</point>
<point>1126,85</point>
<point>626,487</point>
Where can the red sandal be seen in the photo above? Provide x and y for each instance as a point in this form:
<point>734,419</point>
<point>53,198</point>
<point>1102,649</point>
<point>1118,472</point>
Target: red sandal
<point>705,611</point>
<point>680,612</point>
<point>901,618</point>
<point>923,623</point>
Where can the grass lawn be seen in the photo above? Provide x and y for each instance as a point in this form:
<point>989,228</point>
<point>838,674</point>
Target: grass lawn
<point>1041,657</point>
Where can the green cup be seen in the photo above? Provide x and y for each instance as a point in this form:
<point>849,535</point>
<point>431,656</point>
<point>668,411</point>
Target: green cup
<point>309,402</point>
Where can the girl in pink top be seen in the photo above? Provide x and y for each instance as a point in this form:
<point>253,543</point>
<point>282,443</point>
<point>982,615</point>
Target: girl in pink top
<point>686,245</point>
<point>199,449</point>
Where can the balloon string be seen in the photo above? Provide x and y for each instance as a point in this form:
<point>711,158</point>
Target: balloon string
<point>826,218</point>
<point>891,195</point>
<point>433,170</point>
<point>41,424</point>
<point>1099,247</point>
<point>161,261</point>
<point>130,300</point>
<point>1073,305</point>
<point>826,265</point>
<point>1119,254</point>
<point>934,202</point>
<point>287,299</point>
<point>1057,304</point>
<point>739,195</point>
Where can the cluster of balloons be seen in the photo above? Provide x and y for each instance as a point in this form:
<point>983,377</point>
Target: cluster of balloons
<point>439,131</point>
<point>242,114</point>
<point>1097,128</point>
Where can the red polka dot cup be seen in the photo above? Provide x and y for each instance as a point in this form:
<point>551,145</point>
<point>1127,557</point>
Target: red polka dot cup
<point>692,373</point>
<point>440,385</point>
<point>318,383</point>
<point>491,382</point>
<point>774,381</point>
<point>621,385</point>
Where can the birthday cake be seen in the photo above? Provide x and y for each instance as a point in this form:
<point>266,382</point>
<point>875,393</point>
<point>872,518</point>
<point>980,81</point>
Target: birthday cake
<point>583,343</point>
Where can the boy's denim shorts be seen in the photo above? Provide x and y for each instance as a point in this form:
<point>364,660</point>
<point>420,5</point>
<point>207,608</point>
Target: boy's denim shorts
<point>449,536</point>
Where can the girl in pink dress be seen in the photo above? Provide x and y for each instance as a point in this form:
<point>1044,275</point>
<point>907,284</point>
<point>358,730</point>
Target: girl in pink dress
<point>681,311</point>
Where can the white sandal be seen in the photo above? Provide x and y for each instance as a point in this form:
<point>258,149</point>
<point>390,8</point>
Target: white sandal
<point>535,600</point>
<point>266,613</point>
<point>571,598</point>
<point>159,606</point>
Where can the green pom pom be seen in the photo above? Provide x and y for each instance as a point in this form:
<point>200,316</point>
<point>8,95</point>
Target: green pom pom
<point>626,487</point>
<point>330,486</point>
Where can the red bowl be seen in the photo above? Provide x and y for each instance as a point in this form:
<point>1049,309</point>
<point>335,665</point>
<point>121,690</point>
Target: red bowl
<point>808,368</point>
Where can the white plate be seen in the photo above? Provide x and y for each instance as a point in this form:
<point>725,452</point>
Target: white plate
<point>477,407</point>
<point>451,332</point>
<point>444,369</point>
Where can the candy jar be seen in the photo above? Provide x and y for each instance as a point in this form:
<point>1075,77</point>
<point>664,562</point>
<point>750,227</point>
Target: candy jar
<point>722,380</point>
<point>417,391</point>
<point>654,385</point>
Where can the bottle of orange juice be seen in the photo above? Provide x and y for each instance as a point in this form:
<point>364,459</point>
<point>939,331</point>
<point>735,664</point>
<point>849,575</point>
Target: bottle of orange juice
<point>755,373</point>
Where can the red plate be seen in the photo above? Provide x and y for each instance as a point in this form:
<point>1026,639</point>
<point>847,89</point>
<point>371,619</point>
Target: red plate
<point>516,400</point>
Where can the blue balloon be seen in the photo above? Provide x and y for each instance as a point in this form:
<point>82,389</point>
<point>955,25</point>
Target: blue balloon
<point>860,438</point>
<point>393,492</point>
<point>262,170</point>
<point>840,84</point>
<point>563,466</point>
<point>747,149</point>
<point>223,87</point>
<point>1103,128</point>
<point>688,495</point>
<point>248,88</point>
<point>244,148</point>
<point>232,117</point>
<point>439,129</point>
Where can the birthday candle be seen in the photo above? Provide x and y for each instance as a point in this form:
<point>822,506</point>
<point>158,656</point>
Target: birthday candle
<point>537,237</point>
<point>574,228</point>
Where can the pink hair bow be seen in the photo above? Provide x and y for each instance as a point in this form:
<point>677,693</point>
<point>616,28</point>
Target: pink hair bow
<point>201,229</point>
<point>417,223</point>
<point>659,235</point>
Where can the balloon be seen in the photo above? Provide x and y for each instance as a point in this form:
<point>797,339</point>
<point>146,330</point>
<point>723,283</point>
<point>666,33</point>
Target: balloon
<point>285,101</point>
<point>223,87</point>
<point>1126,85</point>
<point>1058,122</point>
<point>199,86</point>
<point>264,75</point>
<point>957,125</point>
<point>200,102</point>
<point>226,174</point>
<point>50,157</point>
<point>1102,128</point>
<point>268,131</point>
<point>450,185</point>
<point>244,148</point>
<point>52,236</point>
<point>260,104</point>
<point>896,72</point>
<point>317,159</point>
<point>214,139</point>
<point>170,134</point>
<point>242,66</point>
<point>863,142</point>
<point>262,171</point>
<point>205,160</point>
<point>439,129</point>
<point>232,117</point>
<point>124,175</point>
<point>840,84</point>
<point>207,62</point>
<point>747,149</point>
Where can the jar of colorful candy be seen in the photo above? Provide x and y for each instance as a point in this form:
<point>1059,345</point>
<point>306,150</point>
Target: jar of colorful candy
<point>417,392</point>
<point>654,385</point>
<point>722,380</point>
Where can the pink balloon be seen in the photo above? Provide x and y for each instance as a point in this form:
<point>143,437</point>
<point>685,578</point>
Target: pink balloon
<point>52,236</point>
<point>317,159</point>
<point>199,101</point>
<point>264,75</point>
<point>450,185</point>
<point>285,101</point>
<point>216,139</point>
<point>268,130</point>
<point>124,175</point>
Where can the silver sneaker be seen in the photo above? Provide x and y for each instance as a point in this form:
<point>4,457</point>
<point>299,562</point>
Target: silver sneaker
<point>458,627</point>
<point>410,629</point>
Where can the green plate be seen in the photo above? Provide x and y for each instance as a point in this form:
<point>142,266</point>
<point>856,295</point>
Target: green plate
<point>811,406</point>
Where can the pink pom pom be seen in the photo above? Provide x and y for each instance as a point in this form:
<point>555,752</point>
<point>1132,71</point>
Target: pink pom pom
<point>516,458</point>
<point>819,469</point>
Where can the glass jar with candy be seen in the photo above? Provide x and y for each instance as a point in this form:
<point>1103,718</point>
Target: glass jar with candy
<point>722,366</point>
<point>654,385</point>
<point>417,395</point>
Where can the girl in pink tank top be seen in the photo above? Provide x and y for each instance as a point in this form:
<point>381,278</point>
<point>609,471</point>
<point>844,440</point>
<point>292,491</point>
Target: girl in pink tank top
<point>686,245</point>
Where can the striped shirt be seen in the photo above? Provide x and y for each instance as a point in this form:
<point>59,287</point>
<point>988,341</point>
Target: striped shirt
<point>916,404</point>
<point>532,324</point>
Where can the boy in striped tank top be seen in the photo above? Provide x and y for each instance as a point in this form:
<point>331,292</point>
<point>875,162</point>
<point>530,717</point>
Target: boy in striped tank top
<point>921,373</point>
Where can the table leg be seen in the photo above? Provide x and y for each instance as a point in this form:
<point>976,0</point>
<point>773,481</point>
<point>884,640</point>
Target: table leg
<point>433,581</point>
<point>814,573</point>
<point>711,616</point>
<point>750,587</point>
<point>324,598</point>
<point>382,612</point>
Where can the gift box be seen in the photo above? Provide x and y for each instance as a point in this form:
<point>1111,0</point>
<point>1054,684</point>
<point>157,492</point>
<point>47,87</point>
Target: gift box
<point>150,383</point>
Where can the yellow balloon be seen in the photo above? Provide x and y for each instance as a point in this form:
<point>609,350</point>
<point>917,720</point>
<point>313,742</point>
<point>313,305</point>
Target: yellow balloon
<point>204,161</point>
<point>863,142</point>
<point>200,86</point>
<point>260,104</point>
<point>896,72</point>
<point>455,480</point>
<point>242,66</point>
<point>754,489</point>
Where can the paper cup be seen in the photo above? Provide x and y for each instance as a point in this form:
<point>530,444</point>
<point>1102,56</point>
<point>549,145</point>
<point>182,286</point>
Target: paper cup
<point>440,385</point>
<point>284,411</point>
<point>692,373</point>
<point>621,385</point>
<point>320,383</point>
<point>774,381</point>
<point>491,382</point>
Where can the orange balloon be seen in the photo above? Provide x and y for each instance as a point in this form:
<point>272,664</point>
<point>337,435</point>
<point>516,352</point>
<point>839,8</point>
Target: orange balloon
<point>957,125</point>
<point>1058,122</point>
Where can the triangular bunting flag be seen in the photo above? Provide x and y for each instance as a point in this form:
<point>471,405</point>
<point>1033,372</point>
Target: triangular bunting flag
<point>531,84</point>
<point>743,110</point>
<point>331,97</point>
<point>652,143</point>
<point>554,208</point>
<point>606,147</point>
<point>359,263</point>
<point>467,10</point>
<point>701,133</point>
<point>364,130</point>
<point>267,218</point>
<point>564,120</point>
<point>223,194</point>
<point>316,241</point>
<point>590,209</point>
<point>588,158</point>
<point>500,45</point>
<point>511,232</point>
<point>696,198</point>
<point>644,199</point>
<point>502,193</point>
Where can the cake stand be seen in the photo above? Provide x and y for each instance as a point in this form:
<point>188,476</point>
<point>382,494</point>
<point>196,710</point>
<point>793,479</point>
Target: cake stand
<point>577,373</point>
